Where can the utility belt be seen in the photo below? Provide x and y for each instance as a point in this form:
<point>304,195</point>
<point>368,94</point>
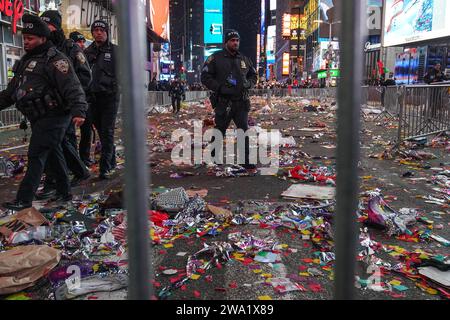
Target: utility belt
<point>218,100</point>
<point>37,108</point>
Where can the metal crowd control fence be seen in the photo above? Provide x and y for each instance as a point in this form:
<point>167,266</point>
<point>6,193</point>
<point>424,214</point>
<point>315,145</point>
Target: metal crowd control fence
<point>424,111</point>
<point>10,117</point>
<point>159,101</point>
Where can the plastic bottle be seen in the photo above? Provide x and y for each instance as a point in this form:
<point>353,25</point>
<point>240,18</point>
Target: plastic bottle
<point>35,233</point>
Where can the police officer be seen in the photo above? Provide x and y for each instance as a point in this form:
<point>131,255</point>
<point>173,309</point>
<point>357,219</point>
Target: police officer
<point>230,75</point>
<point>103,93</point>
<point>47,91</point>
<point>176,91</point>
<point>435,75</point>
<point>79,39</point>
<point>70,146</point>
<point>86,132</point>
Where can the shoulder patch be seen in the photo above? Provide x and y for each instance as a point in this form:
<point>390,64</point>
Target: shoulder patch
<point>211,58</point>
<point>81,58</point>
<point>62,66</point>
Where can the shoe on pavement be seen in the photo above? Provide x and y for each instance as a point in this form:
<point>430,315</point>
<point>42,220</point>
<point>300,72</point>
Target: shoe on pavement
<point>77,180</point>
<point>106,175</point>
<point>45,194</point>
<point>17,205</point>
<point>88,163</point>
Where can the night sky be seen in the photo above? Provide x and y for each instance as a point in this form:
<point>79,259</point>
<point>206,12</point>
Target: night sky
<point>244,17</point>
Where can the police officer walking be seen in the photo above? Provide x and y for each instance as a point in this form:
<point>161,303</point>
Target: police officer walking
<point>230,75</point>
<point>103,93</point>
<point>176,91</point>
<point>70,146</point>
<point>47,91</point>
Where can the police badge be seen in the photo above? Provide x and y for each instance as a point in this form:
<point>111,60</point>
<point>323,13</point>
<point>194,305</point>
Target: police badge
<point>31,66</point>
<point>243,65</point>
<point>62,66</point>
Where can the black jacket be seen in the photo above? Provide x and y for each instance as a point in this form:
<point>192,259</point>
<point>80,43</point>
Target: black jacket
<point>221,66</point>
<point>176,90</point>
<point>434,76</point>
<point>103,62</point>
<point>79,61</point>
<point>42,74</point>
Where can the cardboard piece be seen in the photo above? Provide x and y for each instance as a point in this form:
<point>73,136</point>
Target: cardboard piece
<point>302,191</point>
<point>221,212</point>
<point>21,221</point>
<point>436,275</point>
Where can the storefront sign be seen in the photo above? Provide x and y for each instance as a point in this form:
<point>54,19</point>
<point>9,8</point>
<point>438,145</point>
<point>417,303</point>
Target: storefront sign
<point>13,9</point>
<point>334,73</point>
<point>369,46</point>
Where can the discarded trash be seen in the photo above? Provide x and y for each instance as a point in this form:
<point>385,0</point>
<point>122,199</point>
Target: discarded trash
<point>22,266</point>
<point>309,192</point>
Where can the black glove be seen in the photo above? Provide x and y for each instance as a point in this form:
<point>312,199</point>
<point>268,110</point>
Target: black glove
<point>23,125</point>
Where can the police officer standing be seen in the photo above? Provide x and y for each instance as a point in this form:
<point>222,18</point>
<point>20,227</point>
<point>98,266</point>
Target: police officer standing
<point>176,91</point>
<point>103,93</point>
<point>230,75</point>
<point>70,146</point>
<point>47,91</point>
<point>79,39</point>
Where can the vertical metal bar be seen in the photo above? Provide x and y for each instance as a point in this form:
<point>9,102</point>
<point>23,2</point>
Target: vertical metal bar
<point>348,149</point>
<point>132,57</point>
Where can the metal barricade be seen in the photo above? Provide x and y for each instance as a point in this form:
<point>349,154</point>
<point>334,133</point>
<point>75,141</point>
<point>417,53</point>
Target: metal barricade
<point>424,111</point>
<point>160,101</point>
<point>10,117</point>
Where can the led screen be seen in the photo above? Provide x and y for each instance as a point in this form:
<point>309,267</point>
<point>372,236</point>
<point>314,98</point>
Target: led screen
<point>415,20</point>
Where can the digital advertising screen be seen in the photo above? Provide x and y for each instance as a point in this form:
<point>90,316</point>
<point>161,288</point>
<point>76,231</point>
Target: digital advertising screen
<point>407,21</point>
<point>160,19</point>
<point>213,21</point>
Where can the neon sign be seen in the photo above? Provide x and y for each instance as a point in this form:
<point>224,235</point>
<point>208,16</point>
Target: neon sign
<point>12,9</point>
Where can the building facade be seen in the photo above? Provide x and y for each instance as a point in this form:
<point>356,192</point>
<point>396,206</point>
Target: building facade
<point>11,43</point>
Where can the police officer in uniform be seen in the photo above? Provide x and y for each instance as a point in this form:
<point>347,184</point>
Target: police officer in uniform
<point>176,92</point>
<point>46,89</point>
<point>79,39</point>
<point>70,146</point>
<point>230,75</point>
<point>103,93</point>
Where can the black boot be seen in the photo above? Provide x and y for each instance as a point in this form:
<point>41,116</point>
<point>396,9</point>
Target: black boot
<point>17,205</point>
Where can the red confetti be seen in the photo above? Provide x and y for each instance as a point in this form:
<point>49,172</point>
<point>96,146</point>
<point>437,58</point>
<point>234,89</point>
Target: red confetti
<point>219,266</point>
<point>302,268</point>
<point>92,298</point>
<point>197,294</point>
<point>315,287</point>
<point>183,287</point>
<point>233,285</point>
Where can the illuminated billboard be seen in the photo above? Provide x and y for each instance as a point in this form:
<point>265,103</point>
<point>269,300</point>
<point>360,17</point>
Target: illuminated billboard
<point>159,17</point>
<point>213,21</point>
<point>286,61</point>
<point>415,20</point>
